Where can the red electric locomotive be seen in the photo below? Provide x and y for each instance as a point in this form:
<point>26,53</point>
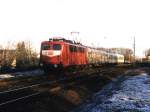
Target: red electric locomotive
<point>62,53</point>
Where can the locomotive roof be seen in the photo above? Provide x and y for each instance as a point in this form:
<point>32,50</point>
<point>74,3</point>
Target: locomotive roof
<point>60,39</point>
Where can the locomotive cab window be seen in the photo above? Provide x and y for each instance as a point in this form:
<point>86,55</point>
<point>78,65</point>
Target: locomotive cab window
<point>56,47</point>
<point>45,47</point>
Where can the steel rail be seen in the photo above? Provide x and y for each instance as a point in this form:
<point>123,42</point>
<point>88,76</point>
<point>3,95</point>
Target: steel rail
<point>35,85</point>
<point>21,98</point>
<point>33,94</point>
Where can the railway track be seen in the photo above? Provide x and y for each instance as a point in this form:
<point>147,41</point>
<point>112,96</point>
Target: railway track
<point>11,96</point>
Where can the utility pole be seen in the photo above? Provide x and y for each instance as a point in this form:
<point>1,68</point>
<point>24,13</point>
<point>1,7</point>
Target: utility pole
<point>134,49</point>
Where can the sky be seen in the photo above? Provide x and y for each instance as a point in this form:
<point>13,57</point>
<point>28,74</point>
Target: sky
<point>106,23</point>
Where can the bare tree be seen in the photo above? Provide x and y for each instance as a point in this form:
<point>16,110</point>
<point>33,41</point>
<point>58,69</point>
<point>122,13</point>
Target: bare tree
<point>25,55</point>
<point>7,55</point>
<point>32,54</point>
<point>21,55</point>
<point>147,52</point>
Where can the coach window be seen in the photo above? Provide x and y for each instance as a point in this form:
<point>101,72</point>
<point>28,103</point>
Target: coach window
<point>56,47</point>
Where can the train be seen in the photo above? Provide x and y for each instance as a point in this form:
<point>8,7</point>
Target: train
<point>59,53</point>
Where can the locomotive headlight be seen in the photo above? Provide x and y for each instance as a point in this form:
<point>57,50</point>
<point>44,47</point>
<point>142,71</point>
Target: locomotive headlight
<point>41,64</point>
<point>55,65</point>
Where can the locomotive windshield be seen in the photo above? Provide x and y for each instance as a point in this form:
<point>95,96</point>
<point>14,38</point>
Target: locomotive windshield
<point>51,47</point>
<point>45,47</point>
<point>56,47</point>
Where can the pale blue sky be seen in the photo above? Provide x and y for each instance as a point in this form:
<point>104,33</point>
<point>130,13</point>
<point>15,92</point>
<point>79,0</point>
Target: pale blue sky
<point>117,20</point>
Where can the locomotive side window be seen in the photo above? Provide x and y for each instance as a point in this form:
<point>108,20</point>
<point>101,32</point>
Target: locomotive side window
<point>81,49</point>
<point>45,47</point>
<point>71,48</point>
<point>75,49</point>
<point>56,47</point>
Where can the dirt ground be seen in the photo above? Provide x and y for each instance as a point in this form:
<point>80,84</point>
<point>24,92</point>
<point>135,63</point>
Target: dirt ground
<point>85,96</point>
